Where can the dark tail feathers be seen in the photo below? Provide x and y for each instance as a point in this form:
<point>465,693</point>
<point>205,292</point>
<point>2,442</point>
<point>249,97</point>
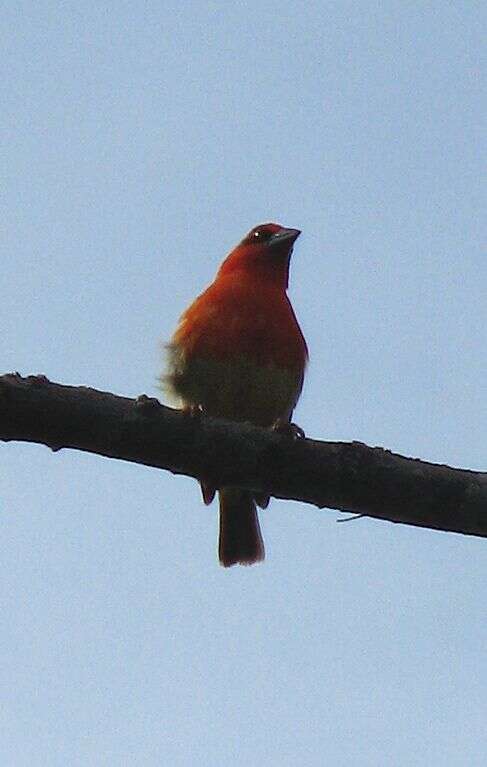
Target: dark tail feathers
<point>240,537</point>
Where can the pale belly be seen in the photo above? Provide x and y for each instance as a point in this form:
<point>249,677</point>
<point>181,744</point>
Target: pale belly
<point>234,388</point>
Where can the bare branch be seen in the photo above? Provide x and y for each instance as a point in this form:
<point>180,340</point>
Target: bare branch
<point>347,476</point>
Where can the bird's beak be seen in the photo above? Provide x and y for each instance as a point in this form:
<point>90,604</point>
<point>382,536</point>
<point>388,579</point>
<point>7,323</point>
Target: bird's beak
<point>288,236</point>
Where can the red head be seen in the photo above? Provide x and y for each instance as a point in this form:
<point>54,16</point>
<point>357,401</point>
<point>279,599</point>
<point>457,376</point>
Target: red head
<point>264,253</point>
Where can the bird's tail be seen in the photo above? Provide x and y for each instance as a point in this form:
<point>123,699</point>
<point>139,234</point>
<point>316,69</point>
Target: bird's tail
<point>240,537</point>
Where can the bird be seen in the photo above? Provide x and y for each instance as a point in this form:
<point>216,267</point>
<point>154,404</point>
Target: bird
<point>238,352</point>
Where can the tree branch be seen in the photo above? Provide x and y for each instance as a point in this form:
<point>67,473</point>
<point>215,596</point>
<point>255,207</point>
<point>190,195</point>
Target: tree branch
<point>347,476</point>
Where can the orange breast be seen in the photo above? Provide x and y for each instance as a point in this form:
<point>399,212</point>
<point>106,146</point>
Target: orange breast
<point>239,352</point>
<point>234,316</point>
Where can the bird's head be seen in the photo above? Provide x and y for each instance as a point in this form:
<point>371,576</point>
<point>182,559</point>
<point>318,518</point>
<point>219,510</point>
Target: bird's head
<point>264,253</point>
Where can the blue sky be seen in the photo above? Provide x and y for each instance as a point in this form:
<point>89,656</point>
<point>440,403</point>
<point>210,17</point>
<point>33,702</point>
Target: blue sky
<point>138,143</point>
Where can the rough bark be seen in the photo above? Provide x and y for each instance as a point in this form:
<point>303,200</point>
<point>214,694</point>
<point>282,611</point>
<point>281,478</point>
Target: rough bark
<point>346,476</point>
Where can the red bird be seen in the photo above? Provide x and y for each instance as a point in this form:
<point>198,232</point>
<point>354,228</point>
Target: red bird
<point>238,353</point>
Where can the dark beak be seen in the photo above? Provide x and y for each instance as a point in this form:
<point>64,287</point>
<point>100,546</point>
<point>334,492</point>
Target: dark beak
<point>288,236</point>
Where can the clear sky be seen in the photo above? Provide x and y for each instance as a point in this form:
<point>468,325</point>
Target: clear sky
<point>139,142</point>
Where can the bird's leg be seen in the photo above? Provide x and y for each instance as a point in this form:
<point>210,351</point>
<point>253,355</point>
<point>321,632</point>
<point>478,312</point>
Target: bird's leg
<point>281,426</point>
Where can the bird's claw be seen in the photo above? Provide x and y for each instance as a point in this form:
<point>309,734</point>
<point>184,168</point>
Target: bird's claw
<point>193,411</point>
<point>287,428</point>
<point>145,404</point>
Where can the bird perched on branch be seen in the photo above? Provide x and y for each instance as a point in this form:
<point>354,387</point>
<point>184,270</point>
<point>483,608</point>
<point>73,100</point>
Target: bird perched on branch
<point>238,353</point>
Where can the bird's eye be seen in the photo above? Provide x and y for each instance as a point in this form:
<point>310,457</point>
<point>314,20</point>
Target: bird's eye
<point>261,235</point>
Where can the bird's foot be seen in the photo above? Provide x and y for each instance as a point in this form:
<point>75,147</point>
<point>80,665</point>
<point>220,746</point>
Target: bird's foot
<point>192,411</point>
<point>147,405</point>
<point>287,428</point>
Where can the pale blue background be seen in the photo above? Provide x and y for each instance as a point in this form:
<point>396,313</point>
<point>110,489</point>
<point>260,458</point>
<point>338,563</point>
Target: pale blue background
<point>139,141</point>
